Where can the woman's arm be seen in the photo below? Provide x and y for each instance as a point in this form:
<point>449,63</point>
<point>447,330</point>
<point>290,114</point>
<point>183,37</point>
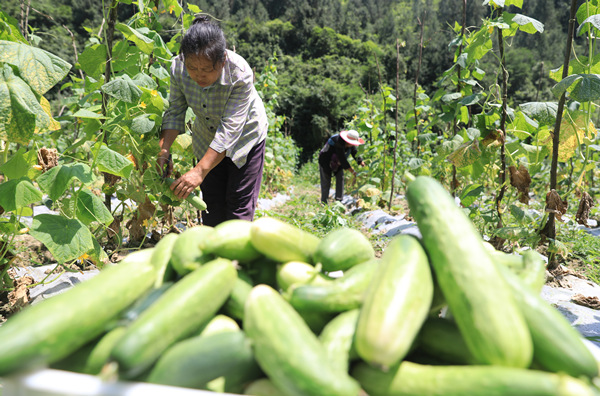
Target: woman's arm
<point>183,186</point>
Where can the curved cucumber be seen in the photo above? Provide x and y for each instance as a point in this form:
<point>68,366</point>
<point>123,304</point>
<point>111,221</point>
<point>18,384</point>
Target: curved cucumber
<point>479,299</point>
<point>51,330</point>
<point>282,241</point>
<point>299,273</point>
<point>298,368</point>
<point>396,303</point>
<point>176,315</point>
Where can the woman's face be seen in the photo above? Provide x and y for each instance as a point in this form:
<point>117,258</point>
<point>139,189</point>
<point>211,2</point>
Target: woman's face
<point>202,71</point>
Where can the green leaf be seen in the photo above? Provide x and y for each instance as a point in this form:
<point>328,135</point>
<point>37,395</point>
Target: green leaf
<point>144,80</point>
<point>85,113</point>
<point>110,161</point>
<point>125,56</point>
<point>66,239</point>
<point>123,88</point>
<point>39,68</point>
<point>471,99</point>
<point>582,87</point>
<point>470,194</point>
<point>19,108</point>
<point>18,193</point>
<point>93,60</point>
<point>143,42</point>
<point>159,72</point>
<point>9,29</point>
<point>593,20</point>
<point>542,112</point>
<point>56,180</point>
<point>142,124</point>
<point>91,208</point>
<point>20,165</point>
<point>525,23</point>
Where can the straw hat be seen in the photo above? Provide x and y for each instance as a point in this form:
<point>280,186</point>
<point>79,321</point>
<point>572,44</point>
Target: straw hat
<point>351,137</point>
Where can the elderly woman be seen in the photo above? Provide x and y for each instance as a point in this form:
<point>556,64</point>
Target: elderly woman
<point>230,128</point>
<point>333,159</point>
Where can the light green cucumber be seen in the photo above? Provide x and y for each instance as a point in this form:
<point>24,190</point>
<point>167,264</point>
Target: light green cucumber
<point>440,338</point>
<point>162,257</point>
<point>48,331</point>
<point>529,266</point>
<point>341,294</point>
<point>231,240</point>
<point>282,241</point>
<point>342,249</point>
<point>299,273</point>
<point>478,297</point>
<point>396,303</point>
<point>557,345</point>
<point>189,251</point>
<point>412,379</point>
<point>177,314</point>
<point>262,387</point>
<point>338,338</point>
<point>288,351</point>
<point>220,323</point>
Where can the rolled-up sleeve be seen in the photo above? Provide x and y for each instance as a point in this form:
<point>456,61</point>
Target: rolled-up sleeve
<point>174,116</point>
<point>235,114</point>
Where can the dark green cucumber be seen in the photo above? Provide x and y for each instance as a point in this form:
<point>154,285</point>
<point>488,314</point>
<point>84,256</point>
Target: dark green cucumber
<point>193,199</point>
<point>479,299</point>
<point>396,303</point>
<point>342,249</point>
<point>341,294</point>
<point>54,328</point>
<point>282,241</point>
<point>557,346</point>
<point>194,362</point>
<point>338,338</point>
<point>231,240</point>
<point>287,350</point>
<point>234,306</point>
<point>189,251</point>
<point>441,339</point>
<point>180,312</point>
<point>412,379</point>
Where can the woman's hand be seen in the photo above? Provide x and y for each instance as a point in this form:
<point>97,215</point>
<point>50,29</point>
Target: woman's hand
<point>164,163</point>
<point>187,183</point>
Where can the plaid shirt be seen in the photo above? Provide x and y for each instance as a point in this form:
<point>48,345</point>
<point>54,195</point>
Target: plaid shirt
<point>230,116</point>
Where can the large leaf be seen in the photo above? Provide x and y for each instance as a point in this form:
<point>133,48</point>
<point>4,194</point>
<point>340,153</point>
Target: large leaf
<point>142,124</point>
<point>542,112</point>
<point>19,108</point>
<point>93,60</point>
<point>524,23</point>
<point>572,134</point>
<point>67,239</point>
<point>18,193</point>
<point>110,161</point>
<point>91,208</point>
<point>39,68</point>
<point>9,30</point>
<point>20,165</point>
<point>123,88</point>
<point>470,194</point>
<point>466,154</point>
<point>582,87</point>
<point>143,42</point>
<point>56,180</point>
<point>593,20</point>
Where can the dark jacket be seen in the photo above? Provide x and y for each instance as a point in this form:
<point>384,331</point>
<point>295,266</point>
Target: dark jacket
<point>335,149</point>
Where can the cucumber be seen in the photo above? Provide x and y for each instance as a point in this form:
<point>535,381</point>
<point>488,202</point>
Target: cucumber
<point>396,303</point>
<point>529,266</point>
<point>282,241</point>
<point>287,350</point>
<point>180,312</point>
<point>162,257</point>
<point>194,362</point>
<point>189,251</point>
<point>342,249</point>
<point>193,198</point>
<point>341,294</point>
<point>231,240</point>
<point>412,379</point>
<point>140,305</point>
<point>262,387</point>
<point>338,338</point>
<point>557,346</point>
<point>441,339</point>
<point>299,273</point>
<point>479,299</point>
<point>219,324</point>
<point>234,306</point>
<point>54,328</point>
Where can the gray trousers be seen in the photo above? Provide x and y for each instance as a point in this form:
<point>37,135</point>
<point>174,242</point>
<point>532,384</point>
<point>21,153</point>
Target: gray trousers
<point>326,175</point>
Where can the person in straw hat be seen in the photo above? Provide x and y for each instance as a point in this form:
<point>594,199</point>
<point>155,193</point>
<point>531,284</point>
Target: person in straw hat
<point>333,159</point>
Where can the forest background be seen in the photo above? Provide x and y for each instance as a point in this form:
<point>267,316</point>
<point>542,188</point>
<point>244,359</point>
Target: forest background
<point>331,54</point>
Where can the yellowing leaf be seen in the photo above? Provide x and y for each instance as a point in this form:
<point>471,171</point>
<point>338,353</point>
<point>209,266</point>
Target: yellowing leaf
<point>572,133</point>
<point>466,154</point>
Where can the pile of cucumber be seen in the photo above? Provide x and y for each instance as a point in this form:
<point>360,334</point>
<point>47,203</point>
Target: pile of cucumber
<point>254,308</point>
